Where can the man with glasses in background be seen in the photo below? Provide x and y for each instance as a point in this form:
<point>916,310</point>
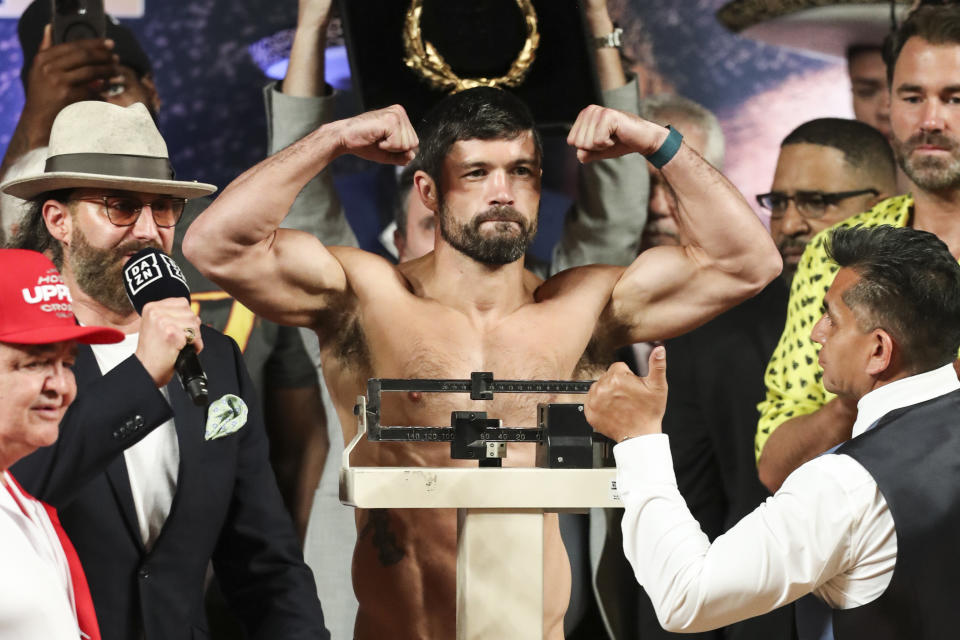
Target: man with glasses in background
<point>149,487</point>
<point>829,169</point>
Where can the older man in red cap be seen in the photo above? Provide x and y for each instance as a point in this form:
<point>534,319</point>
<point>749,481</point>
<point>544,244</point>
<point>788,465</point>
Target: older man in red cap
<point>38,334</point>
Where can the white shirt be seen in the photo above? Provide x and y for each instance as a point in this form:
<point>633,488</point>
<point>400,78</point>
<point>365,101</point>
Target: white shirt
<point>152,463</point>
<point>827,530</point>
<point>36,593</point>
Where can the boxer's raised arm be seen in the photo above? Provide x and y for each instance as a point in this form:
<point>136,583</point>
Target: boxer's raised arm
<point>729,257</point>
<point>289,276</point>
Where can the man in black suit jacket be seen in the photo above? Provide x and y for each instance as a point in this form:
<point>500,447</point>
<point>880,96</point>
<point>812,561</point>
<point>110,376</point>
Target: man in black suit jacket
<point>150,487</point>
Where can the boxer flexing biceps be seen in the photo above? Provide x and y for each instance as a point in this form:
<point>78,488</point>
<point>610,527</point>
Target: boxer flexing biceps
<point>468,306</point>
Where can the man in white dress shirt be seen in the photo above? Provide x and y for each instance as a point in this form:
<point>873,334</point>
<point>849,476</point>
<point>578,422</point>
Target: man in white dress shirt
<point>840,523</point>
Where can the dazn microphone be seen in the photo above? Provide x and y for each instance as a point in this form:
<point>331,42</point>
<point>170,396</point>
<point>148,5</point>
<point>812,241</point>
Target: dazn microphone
<point>152,275</point>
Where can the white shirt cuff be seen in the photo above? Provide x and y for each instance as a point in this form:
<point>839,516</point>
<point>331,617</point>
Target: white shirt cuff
<point>644,459</point>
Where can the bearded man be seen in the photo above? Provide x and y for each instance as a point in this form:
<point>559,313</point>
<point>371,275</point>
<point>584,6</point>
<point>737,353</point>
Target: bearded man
<point>469,305</point>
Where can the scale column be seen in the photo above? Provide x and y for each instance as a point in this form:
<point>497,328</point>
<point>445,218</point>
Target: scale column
<point>499,574</point>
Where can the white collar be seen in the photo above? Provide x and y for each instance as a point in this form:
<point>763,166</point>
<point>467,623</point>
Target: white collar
<point>903,393</point>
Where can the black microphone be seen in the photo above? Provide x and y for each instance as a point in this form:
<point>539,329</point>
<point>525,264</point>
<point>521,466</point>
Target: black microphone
<point>151,275</point>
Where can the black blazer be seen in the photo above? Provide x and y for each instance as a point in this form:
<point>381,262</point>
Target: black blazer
<point>226,507</point>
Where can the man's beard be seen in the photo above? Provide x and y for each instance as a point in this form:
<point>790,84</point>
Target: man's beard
<point>929,173</point>
<point>99,272</point>
<point>503,247</point>
<point>790,242</point>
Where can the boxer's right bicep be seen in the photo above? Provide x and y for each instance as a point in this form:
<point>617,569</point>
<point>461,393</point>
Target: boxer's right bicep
<point>289,277</point>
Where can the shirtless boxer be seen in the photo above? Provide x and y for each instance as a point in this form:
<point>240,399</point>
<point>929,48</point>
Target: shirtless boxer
<point>468,306</point>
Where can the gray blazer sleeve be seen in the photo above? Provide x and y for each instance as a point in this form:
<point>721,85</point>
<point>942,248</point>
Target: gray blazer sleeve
<point>317,210</point>
<point>605,223</point>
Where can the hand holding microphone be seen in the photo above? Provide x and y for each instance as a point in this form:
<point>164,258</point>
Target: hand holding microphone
<point>169,330</point>
<point>164,332</point>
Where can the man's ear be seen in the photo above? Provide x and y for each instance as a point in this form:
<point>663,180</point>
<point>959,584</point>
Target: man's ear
<point>879,364</point>
<point>56,215</point>
<point>152,93</point>
<point>427,190</point>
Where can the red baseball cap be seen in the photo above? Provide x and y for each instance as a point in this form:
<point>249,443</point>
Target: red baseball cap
<point>35,304</point>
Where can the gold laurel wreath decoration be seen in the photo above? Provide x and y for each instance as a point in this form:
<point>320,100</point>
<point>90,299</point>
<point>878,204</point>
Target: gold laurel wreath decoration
<point>424,59</point>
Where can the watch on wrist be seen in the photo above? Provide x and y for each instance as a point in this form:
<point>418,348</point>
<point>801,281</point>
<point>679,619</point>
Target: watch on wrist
<point>614,39</point>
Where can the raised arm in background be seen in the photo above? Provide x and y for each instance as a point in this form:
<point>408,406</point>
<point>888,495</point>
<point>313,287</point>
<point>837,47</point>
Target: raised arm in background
<point>298,105</point>
<point>606,221</point>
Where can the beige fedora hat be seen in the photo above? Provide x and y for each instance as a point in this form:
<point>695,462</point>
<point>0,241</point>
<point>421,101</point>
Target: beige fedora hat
<point>818,27</point>
<point>98,144</point>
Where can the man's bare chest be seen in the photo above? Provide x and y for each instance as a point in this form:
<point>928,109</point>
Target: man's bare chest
<point>444,346</point>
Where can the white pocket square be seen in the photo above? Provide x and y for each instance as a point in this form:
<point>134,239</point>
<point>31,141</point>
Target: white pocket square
<point>225,416</point>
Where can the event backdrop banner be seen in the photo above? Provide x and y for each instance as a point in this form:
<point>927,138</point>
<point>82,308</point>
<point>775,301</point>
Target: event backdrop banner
<point>213,120</point>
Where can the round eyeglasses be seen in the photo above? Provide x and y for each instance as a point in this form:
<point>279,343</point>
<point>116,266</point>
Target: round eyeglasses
<point>124,211</point>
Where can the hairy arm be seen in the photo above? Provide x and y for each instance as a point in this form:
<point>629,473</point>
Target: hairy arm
<point>667,291</point>
<point>285,275</point>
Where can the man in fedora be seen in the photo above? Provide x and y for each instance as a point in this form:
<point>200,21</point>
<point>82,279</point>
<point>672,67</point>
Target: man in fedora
<point>150,487</point>
<point>114,69</point>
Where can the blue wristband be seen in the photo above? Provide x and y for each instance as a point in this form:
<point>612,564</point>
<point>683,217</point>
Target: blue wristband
<point>667,150</point>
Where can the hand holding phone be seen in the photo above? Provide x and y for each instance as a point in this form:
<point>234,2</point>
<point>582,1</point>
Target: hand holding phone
<point>78,20</point>
<point>60,75</point>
